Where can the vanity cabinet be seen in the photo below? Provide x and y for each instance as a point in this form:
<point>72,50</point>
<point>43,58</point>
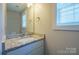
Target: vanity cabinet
<point>34,48</point>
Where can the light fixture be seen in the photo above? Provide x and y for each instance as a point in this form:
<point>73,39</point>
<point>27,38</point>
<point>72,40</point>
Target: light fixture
<point>29,5</point>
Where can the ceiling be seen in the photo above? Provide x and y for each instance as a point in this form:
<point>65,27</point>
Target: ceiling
<point>17,7</point>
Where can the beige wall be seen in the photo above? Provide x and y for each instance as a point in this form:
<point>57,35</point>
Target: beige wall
<point>60,42</point>
<point>43,24</point>
<point>13,22</point>
<point>57,42</point>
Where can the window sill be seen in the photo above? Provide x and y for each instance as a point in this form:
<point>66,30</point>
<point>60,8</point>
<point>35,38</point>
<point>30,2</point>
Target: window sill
<point>67,28</point>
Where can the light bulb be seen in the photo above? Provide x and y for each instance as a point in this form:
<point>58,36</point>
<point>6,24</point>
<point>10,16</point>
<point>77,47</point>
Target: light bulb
<point>29,5</point>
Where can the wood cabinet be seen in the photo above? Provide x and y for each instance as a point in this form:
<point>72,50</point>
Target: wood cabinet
<point>35,48</point>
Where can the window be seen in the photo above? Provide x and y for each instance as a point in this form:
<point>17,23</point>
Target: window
<point>23,23</point>
<point>68,15</point>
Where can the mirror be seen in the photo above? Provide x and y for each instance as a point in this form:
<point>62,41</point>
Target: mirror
<point>16,19</point>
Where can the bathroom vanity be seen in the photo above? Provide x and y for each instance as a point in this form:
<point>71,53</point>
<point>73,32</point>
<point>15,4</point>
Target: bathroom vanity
<point>20,24</point>
<point>24,46</point>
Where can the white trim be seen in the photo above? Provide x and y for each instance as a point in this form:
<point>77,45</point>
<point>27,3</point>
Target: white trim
<point>74,27</point>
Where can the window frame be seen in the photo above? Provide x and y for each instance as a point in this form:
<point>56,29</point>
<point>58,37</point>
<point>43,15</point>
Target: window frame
<point>73,27</point>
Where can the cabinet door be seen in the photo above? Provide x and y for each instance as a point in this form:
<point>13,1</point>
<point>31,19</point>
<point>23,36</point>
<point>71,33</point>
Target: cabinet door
<point>21,51</point>
<point>37,47</point>
<point>37,44</point>
<point>38,51</point>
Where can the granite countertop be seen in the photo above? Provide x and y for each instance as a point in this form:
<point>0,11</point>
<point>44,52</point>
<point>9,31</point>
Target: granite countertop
<point>16,42</point>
